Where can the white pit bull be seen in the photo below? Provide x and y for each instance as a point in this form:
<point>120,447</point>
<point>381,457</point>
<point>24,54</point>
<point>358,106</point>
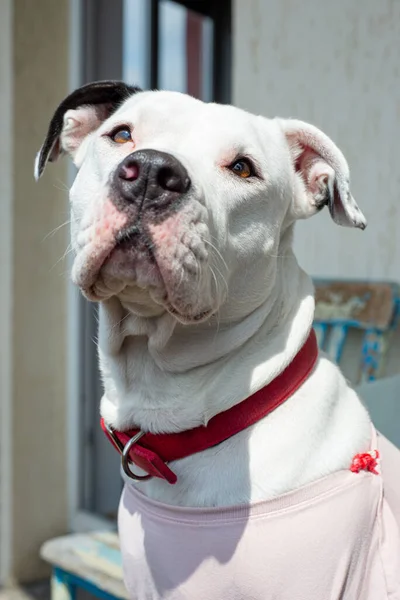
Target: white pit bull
<point>182,226</point>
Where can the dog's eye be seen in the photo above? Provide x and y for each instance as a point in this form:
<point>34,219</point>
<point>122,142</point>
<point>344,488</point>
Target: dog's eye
<point>121,135</point>
<point>242,167</point>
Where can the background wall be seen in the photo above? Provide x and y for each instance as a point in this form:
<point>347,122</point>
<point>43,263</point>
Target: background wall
<point>336,65</point>
<point>34,74</point>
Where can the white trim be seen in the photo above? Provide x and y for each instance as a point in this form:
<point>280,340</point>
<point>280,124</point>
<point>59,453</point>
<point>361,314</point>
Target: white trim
<point>6,277</point>
<point>73,299</point>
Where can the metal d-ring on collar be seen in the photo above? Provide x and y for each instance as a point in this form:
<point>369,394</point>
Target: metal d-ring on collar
<point>124,451</point>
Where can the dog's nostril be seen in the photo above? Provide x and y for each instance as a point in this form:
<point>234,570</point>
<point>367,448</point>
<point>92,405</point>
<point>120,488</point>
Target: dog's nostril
<point>129,172</point>
<point>172,181</point>
<point>168,180</point>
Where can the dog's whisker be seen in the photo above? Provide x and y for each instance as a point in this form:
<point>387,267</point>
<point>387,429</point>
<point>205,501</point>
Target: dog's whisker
<point>219,256</point>
<point>215,249</point>
<point>55,230</point>
<point>217,295</point>
<point>62,258</point>
<point>124,318</point>
<point>199,270</point>
<point>223,279</point>
<point>180,278</point>
<point>64,187</point>
<point>64,273</point>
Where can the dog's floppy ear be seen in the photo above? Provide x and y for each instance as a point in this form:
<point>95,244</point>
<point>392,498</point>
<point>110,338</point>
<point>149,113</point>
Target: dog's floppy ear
<point>80,113</point>
<point>324,174</point>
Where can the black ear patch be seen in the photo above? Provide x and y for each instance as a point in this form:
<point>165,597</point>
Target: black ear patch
<point>111,93</point>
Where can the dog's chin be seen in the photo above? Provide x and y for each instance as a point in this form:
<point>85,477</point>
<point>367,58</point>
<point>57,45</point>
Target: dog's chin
<point>126,271</point>
<point>135,278</point>
<point>144,303</point>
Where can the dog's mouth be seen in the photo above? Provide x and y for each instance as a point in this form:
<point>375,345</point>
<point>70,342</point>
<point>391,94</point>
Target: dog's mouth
<point>129,261</point>
<point>133,235</point>
<point>132,263</point>
<point>153,266</point>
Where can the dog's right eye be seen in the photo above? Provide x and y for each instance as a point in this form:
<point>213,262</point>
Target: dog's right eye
<point>242,167</point>
<point>121,135</point>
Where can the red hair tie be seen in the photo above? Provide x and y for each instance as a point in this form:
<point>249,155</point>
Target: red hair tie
<point>365,462</point>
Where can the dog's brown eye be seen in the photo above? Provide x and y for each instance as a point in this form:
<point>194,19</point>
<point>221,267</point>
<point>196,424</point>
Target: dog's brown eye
<point>121,136</point>
<point>242,168</point>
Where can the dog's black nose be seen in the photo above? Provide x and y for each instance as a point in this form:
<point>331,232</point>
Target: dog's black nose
<point>152,179</point>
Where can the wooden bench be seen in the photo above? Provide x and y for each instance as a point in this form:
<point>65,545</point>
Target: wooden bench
<point>372,308</point>
<point>92,562</point>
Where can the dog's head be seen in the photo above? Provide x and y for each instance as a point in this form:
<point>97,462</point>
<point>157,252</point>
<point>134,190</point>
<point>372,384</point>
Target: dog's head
<point>177,201</point>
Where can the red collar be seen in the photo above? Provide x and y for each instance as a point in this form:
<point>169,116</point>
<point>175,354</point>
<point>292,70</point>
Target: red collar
<point>151,452</point>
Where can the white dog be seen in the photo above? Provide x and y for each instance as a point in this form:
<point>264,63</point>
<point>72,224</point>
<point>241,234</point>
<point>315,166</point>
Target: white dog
<point>182,225</point>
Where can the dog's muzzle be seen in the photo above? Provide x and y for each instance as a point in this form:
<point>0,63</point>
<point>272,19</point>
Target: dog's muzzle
<point>153,181</point>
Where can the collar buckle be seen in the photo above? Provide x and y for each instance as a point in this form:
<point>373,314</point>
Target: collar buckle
<point>124,452</point>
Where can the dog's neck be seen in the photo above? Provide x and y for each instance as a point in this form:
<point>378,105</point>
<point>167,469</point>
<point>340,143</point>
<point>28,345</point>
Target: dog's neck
<point>166,377</point>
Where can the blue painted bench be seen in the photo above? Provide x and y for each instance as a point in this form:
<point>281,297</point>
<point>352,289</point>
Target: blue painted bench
<point>371,308</point>
<point>92,562</point>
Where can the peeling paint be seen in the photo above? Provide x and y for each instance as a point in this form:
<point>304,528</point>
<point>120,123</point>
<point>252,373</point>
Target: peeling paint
<point>339,310</point>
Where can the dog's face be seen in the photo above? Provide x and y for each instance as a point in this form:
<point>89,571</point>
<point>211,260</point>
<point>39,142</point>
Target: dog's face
<point>180,206</point>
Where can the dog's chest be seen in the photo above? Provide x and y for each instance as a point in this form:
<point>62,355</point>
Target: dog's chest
<point>324,540</point>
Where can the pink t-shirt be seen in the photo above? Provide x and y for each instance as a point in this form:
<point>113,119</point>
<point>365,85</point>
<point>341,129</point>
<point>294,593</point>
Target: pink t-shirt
<point>337,538</point>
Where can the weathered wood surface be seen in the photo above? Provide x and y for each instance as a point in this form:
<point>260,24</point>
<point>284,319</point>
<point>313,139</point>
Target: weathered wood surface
<point>94,557</point>
<point>370,305</point>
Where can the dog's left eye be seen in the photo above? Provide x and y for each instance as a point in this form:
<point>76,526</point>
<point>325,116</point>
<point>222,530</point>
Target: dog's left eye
<point>121,135</point>
<point>242,168</point>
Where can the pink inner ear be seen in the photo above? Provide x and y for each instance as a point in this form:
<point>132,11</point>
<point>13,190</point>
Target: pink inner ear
<point>79,123</point>
<point>322,167</point>
<point>314,169</point>
<point>305,156</point>
<point>319,176</point>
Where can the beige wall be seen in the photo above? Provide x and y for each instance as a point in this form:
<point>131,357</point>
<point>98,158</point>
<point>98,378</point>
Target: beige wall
<point>37,354</point>
<point>336,65</point>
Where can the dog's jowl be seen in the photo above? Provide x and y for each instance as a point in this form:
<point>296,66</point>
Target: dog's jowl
<point>252,469</point>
